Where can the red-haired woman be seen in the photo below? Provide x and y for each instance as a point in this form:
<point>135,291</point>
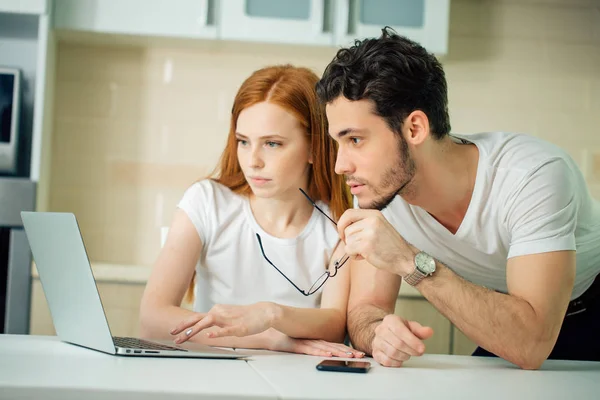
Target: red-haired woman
<point>261,246</point>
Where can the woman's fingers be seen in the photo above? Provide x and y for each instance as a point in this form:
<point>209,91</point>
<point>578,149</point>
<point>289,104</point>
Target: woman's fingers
<point>345,350</point>
<point>305,347</point>
<point>188,322</point>
<point>193,330</point>
<point>328,349</point>
<point>338,349</point>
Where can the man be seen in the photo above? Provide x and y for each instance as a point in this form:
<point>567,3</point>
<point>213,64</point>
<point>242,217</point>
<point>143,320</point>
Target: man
<point>498,231</point>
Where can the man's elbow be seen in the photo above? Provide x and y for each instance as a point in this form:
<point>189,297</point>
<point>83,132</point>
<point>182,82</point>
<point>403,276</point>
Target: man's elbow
<point>535,354</point>
<point>530,363</point>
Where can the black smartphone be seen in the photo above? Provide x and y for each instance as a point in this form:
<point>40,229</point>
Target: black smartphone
<point>344,366</point>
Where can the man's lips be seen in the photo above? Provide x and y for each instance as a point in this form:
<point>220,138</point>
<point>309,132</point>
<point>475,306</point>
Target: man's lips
<point>354,184</point>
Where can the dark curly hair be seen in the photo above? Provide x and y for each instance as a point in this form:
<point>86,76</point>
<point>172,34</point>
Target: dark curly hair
<point>397,74</point>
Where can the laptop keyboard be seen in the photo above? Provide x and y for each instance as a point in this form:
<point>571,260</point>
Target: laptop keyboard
<point>134,343</point>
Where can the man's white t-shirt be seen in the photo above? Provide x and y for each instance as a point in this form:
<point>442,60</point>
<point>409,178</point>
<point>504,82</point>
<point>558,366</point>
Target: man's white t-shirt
<point>529,197</point>
<point>231,261</point>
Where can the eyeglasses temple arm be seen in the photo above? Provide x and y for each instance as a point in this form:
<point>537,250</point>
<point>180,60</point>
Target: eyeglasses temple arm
<point>278,270</point>
<point>316,206</point>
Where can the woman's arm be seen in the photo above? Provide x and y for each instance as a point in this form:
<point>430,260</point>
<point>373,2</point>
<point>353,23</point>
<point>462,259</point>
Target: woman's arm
<point>329,321</point>
<point>160,308</point>
<point>325,323</point>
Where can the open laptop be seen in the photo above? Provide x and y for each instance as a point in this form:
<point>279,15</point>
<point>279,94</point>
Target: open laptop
<point>68,282</point>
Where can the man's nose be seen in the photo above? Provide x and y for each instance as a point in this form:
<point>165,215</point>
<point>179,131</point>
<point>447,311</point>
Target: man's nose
<point>343,165</point>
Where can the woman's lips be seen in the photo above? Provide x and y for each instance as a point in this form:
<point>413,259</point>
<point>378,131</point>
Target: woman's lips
<point>259,181</point>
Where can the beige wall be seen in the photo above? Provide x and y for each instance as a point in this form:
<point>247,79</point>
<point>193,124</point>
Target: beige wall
<point>134,125</point>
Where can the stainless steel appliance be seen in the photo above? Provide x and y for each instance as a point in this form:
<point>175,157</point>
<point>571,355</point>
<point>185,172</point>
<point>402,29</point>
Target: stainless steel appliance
<point>16,195</point>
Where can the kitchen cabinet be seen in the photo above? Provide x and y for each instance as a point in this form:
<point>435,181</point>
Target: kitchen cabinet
<point>276,21</point>
<point>420,310</point>
<point>24,6</point>
<point>181,18</point>
<point>461,344</point>
<point>424,21</point>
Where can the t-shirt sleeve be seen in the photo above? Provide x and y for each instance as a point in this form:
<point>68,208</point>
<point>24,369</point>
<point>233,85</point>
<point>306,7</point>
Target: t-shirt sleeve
<point>541,212</point>
<point>196,203</point>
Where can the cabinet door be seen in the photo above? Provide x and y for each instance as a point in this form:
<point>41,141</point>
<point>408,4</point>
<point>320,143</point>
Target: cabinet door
<point>24,6</point>
<point>424,21</point>
<point>420,310</point>
<point>181,18</point>
<point>276,21</point>
<point>461,344</point>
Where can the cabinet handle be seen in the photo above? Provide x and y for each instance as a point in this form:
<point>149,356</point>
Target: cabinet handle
<point>318,15</point>
<point>346,15</point>
<point>206,8</point>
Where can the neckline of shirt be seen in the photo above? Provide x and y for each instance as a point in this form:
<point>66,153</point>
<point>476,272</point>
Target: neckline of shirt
<point>281,241</point>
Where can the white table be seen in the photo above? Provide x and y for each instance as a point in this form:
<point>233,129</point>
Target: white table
<point>43,367</point>
<point>429,377</point>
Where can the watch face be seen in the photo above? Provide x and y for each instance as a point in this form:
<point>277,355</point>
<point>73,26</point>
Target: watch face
<point>425,263</point>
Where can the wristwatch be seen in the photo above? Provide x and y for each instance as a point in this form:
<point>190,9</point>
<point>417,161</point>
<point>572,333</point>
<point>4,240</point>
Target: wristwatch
<point>424,266</point>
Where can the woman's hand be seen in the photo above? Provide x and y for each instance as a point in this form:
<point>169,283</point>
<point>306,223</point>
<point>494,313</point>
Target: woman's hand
<point>278,341</point>
<point>228,320</point>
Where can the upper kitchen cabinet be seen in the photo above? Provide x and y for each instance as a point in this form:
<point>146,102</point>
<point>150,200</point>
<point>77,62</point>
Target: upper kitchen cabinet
<point>424,21</point>
<point>181,18</point>
<point>276,21</point>
<point>24,6</point>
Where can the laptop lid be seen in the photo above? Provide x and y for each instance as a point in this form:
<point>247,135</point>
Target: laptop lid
<point>67,279</point>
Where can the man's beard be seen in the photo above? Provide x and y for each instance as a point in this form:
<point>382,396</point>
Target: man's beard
<point>395,178</point>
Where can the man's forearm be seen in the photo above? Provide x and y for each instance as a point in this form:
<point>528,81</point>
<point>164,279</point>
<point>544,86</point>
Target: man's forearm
<point>362,321</point>
<point>502,324</point>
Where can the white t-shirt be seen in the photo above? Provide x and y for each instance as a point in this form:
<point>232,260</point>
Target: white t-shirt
<point>231,262</point>
<point>529,197</point>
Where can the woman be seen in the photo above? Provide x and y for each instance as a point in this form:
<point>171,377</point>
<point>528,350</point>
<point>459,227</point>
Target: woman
<point>255,234</point>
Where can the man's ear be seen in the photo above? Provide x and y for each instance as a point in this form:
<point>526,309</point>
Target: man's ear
<point>416,127</point>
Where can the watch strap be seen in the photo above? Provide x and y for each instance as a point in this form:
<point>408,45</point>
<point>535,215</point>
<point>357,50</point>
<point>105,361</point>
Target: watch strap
<point>414,277</point>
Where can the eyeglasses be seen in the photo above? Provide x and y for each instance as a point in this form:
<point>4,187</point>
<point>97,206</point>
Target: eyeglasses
<point>326,275</point>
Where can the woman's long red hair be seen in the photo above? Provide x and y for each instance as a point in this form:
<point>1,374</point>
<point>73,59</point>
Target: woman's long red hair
<point>292,88</point>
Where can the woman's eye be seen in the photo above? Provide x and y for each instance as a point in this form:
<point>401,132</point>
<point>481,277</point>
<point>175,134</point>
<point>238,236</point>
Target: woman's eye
<point>273,144</point>
<point>242,142</point>
<point>355,140</point>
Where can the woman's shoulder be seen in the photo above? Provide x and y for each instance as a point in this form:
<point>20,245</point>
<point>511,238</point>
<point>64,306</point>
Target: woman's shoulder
<point>210,188</point>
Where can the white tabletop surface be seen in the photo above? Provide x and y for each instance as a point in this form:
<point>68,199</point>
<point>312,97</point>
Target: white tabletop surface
<point>44,367</point>
<point>429,377</point>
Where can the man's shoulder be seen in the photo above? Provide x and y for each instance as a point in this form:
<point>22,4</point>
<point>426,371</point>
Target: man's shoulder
<point>515,151</point>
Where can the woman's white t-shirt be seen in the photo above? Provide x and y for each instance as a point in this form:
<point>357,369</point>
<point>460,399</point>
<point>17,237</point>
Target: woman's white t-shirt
<point>231,263</point>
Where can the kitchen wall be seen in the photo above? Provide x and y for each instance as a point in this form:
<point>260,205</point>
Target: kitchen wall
<point>136,124</point>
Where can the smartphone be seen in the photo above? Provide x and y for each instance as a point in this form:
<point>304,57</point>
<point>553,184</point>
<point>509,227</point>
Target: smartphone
<point>344,366</point>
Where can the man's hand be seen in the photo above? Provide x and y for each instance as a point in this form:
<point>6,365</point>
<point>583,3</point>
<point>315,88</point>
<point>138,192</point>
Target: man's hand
<point>397,339</point>
<point>367,234</point>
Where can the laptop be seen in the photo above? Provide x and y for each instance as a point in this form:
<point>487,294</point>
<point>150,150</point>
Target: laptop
<point>77,312</point>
